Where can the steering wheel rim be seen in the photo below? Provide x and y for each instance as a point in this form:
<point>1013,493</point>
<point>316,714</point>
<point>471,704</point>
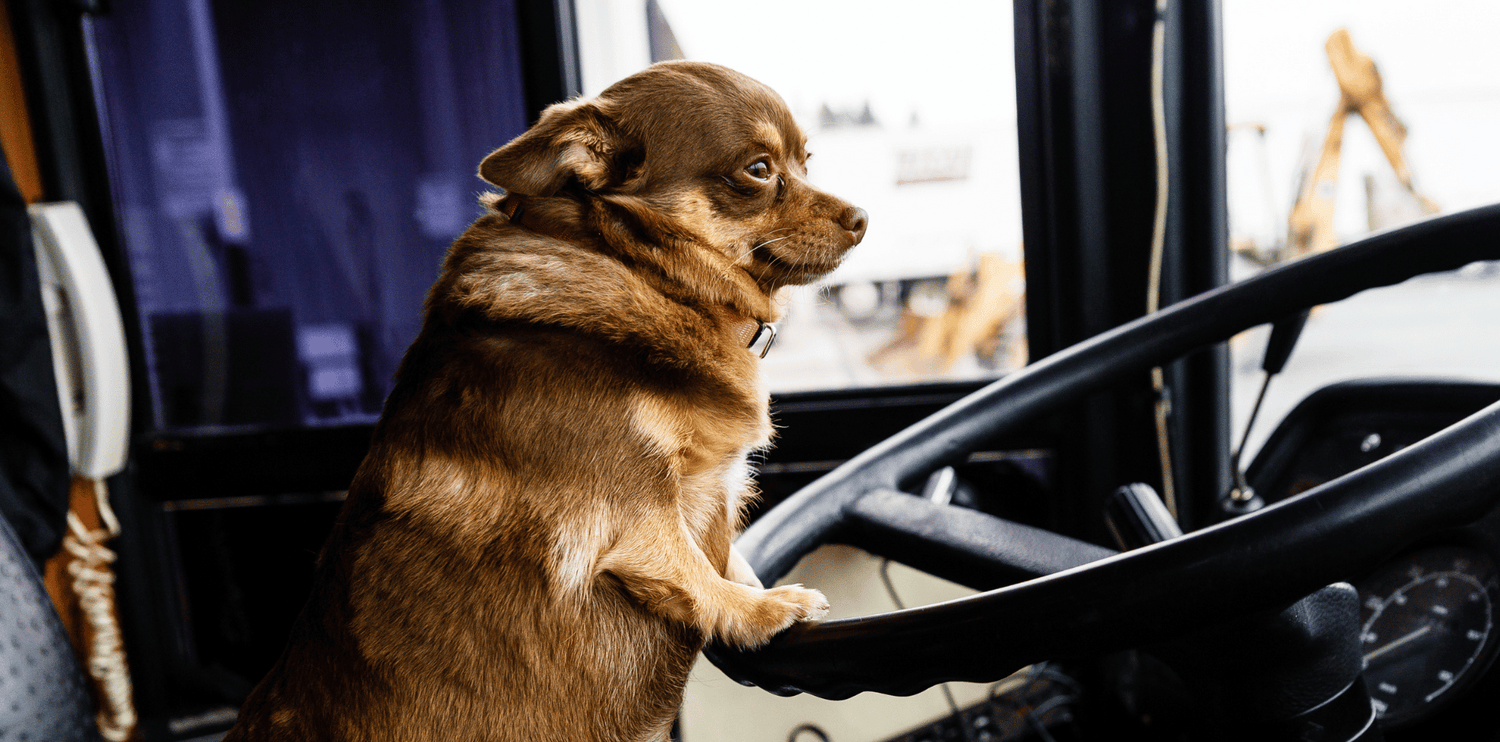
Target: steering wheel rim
<point>1135,598</point>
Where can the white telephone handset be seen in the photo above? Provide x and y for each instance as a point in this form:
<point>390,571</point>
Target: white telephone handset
<point>88,339</point>
<point>93,386</point>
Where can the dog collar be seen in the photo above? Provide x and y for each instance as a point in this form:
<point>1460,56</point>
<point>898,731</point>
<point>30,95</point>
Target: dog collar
<point>754,335</point>
<point>511,208</point>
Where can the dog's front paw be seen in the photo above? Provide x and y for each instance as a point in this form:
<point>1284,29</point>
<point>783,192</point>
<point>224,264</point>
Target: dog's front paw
<point>807,604</point>
<point>772,612</point>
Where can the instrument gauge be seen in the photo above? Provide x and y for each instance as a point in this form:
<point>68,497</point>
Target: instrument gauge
<point>1427,628</point>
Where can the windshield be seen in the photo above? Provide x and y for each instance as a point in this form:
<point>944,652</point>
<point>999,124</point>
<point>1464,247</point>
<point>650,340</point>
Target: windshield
<point>918,129</point>
<point>1346,118</point>
<point>912,116</point>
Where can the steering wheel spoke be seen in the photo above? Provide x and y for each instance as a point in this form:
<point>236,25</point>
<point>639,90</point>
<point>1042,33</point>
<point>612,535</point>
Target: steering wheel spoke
<point>958,544</point>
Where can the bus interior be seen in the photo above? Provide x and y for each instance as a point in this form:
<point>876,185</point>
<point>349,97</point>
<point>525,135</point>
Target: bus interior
<point>1044,443</point>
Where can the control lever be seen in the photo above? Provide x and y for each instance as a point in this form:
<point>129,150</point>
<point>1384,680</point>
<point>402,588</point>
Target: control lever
<point>1284,334</point>
<point>1137,517</point>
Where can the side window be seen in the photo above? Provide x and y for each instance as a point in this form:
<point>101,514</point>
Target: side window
<point>287,184</point>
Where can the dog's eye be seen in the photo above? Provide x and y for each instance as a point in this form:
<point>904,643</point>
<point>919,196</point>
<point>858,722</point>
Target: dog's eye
<point>759,170</point>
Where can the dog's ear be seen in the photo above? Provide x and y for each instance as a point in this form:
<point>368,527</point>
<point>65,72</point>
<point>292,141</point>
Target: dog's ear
<point>575,139</point>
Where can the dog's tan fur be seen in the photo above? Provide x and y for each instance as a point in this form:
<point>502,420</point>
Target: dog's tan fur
<point>538,543</point>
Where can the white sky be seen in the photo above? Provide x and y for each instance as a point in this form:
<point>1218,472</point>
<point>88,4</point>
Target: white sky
<point>952,59</point>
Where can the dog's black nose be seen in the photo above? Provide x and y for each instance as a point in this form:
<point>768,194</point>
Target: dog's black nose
<point>854,219</point>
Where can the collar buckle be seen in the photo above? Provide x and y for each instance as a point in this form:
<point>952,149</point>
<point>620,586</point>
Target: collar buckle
<point>765,332</point>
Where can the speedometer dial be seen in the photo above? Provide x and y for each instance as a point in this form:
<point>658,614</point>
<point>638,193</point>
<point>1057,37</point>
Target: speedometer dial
<point>1428,628</point>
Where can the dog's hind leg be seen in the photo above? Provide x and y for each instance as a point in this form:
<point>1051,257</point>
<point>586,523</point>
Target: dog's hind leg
<point>660,565</point>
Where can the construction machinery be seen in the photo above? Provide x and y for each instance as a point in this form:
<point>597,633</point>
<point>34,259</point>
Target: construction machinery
<point>1310,227</point>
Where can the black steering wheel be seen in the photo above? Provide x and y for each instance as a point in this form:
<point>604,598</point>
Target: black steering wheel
<point>1050,596</point>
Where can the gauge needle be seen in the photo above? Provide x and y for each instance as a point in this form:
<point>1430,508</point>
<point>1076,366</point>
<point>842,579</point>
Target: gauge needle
<point>1409,637</point>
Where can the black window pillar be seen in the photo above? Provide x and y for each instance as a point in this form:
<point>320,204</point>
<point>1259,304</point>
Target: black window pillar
<point>1088,190</point>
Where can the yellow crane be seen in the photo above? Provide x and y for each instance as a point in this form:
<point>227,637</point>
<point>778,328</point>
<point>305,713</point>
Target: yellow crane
<point>1310,227</point>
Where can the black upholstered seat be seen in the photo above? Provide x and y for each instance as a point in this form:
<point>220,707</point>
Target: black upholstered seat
<point>42,693</point>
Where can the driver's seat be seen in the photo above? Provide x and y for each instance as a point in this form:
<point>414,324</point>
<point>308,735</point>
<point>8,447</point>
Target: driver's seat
<point>42,692</point>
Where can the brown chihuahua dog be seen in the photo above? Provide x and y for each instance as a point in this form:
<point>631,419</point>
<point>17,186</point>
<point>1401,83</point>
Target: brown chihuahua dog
<point>539,541</point>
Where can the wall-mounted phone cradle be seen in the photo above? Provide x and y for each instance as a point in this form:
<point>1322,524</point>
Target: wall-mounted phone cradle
<point>88,339</point>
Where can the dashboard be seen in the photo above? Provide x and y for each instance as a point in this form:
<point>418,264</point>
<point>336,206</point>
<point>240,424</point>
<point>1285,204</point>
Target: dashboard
<point>1428,612</point>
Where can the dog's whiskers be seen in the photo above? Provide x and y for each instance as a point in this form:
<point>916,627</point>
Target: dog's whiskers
<point>744,255</point>
<point>759,245</point>
<point>753,248</point>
